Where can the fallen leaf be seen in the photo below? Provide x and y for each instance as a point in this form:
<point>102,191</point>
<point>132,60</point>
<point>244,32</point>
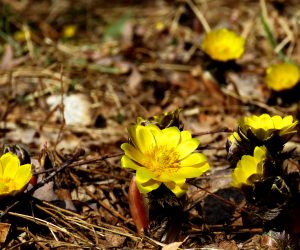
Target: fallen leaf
<point>4,229</point>
<point>115,240</point>
<point>134,81</point>
<point>172,246</point>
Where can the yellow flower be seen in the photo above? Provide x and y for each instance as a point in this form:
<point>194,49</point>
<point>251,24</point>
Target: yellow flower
<point>264,127</point>
<point>160,26</point>
<point>223,45</point>
<point>162,156</point>
<point>282,76</point>
<point>13,176</point>
<point>249,166</point>
<point>19,36</point>
<point>69,31</point>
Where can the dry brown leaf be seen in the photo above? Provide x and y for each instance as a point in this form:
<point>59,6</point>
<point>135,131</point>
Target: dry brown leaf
<point>4,229</point>
<point>115,240</point>
<point>172,246</point>
<point>134,81</point>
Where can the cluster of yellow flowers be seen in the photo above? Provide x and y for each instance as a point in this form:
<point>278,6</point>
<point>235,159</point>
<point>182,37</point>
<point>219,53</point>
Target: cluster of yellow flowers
<point>13,176</point>
<point>167,155</point>
<point>258,139</point>
<point>224,45</point>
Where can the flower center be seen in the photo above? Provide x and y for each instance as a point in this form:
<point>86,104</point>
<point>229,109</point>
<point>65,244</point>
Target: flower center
<point>162,159</point>
<point>7,185</point>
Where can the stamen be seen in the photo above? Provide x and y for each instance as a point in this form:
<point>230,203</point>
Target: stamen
<point>161,159</point>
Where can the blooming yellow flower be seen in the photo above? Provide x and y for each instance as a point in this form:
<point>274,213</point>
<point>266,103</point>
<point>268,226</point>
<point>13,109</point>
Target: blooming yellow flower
<point>249,166</point>
<point>223,45</point>
<point>264,126</point>
<point>282,76</point>
<point>13,176</point>
<point>162,156</point>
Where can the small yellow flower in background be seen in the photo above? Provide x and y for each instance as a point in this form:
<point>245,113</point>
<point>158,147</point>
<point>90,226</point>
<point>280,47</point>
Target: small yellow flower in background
<point>249,166</point>
<point>264,126</point>
<point>162,156</point>
<point>282,76</point>
<point>69,31</point>
<point>20,36</point>
<point>223,45</point>
<point>13,176</point>
<point>159,26</point>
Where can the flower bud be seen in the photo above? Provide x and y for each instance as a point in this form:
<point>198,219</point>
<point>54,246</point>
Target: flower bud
<point>137,207</point>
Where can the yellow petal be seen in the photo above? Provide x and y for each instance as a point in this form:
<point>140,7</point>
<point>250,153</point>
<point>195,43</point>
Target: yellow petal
<point>265,122</point>
<point>286,121</point>
<point>193,159</point>
<point>260,153</point>
<point>238,178</point>
<point>192,172</point>
<point>277,122</point>
<point>144,139</point>
<point>171,136</point>
<point>23,176</point>
<point>248,165</point>
<point>11,163</point>
<point>1,169</point>
<point>185,136</point>
<point>169,177</point>
<point>143,175</point>
<point>177,190</point>
<point>187,147</point>
<point>132,133</point>
<point>157,133</point>
<point>235,180</point>
<point>126,162</point>
<point>148,187</point>
<point>179,181</point>
<point>239,174</point>
<point>132,152</point>
<point>163,177</point>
